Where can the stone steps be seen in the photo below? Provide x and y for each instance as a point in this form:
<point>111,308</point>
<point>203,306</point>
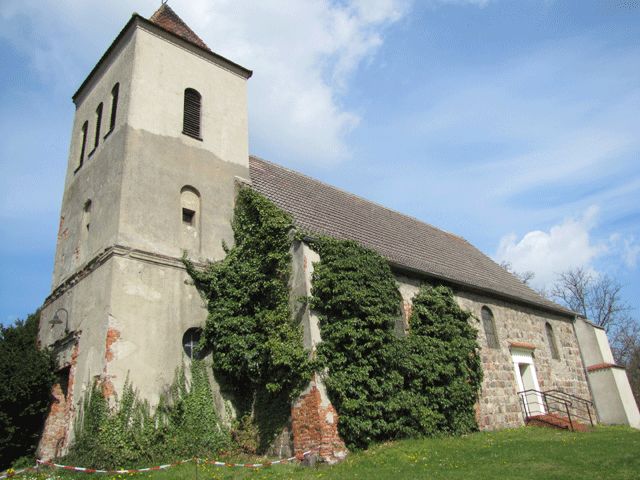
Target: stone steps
<point>551,420</point>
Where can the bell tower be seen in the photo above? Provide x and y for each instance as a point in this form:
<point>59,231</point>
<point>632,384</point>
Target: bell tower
<point>159,139</point>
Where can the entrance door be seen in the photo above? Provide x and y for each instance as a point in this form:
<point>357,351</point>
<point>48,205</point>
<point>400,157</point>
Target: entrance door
<point>527,381</point>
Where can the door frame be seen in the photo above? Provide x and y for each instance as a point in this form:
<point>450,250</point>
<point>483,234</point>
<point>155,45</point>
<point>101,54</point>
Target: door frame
<point>524,356</point>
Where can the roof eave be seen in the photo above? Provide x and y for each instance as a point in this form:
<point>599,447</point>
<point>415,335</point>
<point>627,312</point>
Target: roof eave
<point>474,288</point>
<point>136,20</point>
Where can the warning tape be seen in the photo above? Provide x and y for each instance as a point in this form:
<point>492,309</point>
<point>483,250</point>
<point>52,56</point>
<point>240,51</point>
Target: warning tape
<point>11,473</point>
<point>95,470</point>
<point>217,463</point>
<point>283,461</point>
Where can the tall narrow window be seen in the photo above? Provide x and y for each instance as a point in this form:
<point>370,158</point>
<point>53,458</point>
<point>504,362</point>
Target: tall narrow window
<point>114,106</point>
<point>98,123</point>
<point>190,214</point>
<point>489,326</point>
<point>191,119</point>
<point>84,229</point>
<point>83,145</point>
<point>551,338</point>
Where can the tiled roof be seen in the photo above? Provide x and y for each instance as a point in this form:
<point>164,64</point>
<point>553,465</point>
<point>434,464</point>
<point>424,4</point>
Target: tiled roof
<point>166,18</point>
<point>405,241</point>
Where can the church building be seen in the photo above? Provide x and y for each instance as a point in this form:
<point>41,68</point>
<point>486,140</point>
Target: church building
<point>158,152</point>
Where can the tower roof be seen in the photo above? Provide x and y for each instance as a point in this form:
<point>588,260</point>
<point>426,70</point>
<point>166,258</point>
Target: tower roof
<point>166,18</point>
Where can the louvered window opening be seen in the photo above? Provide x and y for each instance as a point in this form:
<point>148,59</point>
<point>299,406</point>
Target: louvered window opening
<point>551,338</point>
<point>489,328</point>
<point>191,120</point>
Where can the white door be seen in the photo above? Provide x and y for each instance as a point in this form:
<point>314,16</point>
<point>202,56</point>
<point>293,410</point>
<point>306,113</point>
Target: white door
<point>527,381</point>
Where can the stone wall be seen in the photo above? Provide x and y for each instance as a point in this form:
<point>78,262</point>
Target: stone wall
<point>516,326</point>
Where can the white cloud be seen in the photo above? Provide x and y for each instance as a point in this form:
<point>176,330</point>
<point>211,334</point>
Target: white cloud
<point>626,248</point>
<point>631,253</point>
<point>301,67</point>
<point>565,246</point>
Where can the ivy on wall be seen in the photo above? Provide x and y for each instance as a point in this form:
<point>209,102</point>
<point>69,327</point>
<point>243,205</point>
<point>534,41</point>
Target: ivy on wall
<point>440,363</point>
<point>258,354</point>
<point>382,386</point>
<point>185,424</point>
<point>357,300</point>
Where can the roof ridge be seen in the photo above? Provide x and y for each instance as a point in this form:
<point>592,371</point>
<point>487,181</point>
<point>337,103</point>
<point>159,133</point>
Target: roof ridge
<point>396,212</point>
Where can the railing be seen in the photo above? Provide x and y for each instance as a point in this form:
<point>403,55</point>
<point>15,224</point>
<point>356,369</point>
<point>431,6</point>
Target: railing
<point>583,408</point>
<point>536,402</point>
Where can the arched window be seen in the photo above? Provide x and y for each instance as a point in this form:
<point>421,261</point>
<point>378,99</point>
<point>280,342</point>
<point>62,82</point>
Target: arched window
<point>96,140</point>
<point>85,227</point>
<point>190,203</point>
<point>114,107</point>
<point>489,326</point>
<point>551,338</point>
<point>191,118</point>
<point>83,145</point>
<point>190,214</point>
<point>191,342</point>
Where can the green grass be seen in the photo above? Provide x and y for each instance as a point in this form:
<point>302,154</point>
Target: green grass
<point>522,454</point>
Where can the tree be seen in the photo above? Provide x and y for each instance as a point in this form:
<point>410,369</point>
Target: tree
<point>524,277</point>
<point>26,378</point>
<point>599,299</point>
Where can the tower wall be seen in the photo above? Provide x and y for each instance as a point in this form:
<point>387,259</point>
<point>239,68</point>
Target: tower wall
<point>120,286</point>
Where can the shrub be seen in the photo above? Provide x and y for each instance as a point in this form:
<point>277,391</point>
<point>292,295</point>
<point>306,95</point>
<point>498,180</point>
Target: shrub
<point>26,378</point>
<point>184,424</point>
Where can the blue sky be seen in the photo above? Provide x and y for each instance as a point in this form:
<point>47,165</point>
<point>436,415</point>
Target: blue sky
<point>511,123</point>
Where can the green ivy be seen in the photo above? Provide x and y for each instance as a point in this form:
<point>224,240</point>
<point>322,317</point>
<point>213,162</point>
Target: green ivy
<point>440,363</point>
<point>385,387</point>
<point>184,424</point>
<point>257,347</point>
<point>382,386</point>
<point>357,300</point>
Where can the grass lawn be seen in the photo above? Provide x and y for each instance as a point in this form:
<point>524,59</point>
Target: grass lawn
<point>522,454</point>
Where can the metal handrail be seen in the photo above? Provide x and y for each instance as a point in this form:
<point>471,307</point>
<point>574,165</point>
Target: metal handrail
<point>549,406</point>
<point>555,401</point>
<point>560,392</point>
<point>588,405</point>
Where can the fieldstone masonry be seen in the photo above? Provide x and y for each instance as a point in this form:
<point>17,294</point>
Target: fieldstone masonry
<point>516,325</point>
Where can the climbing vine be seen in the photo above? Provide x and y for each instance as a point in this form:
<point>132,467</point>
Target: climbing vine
<point>256,345</point>
<point>383,386</point>
<point>183,425</point>
<point>357,300</point>
<point>440,363</point>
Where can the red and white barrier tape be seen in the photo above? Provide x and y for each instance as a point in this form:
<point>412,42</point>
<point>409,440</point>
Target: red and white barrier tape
<point>95,470</point>
<point>283,461</point>
<point>12,473</point>
<point>217,463</point>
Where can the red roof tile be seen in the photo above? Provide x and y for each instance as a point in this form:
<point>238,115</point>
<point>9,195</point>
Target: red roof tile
<point>603,366</point>
<point>408,243</point>
<point>166,18</point>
